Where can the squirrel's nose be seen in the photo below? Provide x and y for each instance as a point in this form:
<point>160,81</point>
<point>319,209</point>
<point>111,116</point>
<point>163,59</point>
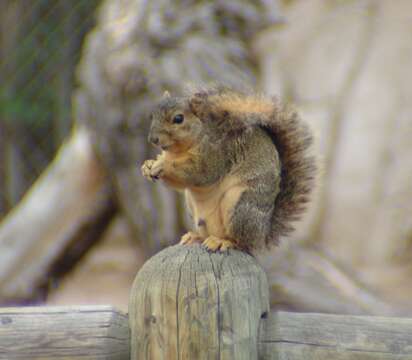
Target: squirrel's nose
<point>154,139</point>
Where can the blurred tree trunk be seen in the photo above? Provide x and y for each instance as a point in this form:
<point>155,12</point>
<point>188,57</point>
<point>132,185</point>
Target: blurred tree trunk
<point>138,50</point>
<point>348,69</point>
<point>58,220</point>
<point>75,19</point>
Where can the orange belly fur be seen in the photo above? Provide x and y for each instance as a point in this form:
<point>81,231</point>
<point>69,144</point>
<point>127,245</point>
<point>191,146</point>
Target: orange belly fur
<point>214,206</point>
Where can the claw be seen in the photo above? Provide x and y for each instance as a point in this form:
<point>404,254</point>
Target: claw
<point>190,238</point>
<point>213,243</point>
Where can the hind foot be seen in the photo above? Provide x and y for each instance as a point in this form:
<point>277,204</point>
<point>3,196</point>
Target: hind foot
<point>213,243</point>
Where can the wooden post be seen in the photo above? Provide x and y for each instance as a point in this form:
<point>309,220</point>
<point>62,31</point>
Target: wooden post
<point>187,303</point>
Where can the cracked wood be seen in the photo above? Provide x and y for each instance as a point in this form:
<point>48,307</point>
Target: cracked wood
<point>69,332</point>
<point>187,303</point>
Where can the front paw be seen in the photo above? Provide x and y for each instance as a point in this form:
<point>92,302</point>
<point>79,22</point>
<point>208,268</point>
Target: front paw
<point>190,238</point>
<point>152,169</point>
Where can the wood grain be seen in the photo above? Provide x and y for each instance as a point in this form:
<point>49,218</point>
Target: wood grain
<point>187,303</point>
<point>296,336</point>
<point>84,332</point>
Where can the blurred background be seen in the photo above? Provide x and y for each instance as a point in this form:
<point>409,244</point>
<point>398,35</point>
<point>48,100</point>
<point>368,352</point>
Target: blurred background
<point>78,82</point>
<point>40,46</point>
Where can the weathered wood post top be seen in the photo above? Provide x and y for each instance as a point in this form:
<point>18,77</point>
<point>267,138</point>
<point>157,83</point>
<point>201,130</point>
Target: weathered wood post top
<point>188,303</point>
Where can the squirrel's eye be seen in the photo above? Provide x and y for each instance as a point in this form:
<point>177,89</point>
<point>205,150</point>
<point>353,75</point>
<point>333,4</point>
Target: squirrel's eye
<point>178,119</point>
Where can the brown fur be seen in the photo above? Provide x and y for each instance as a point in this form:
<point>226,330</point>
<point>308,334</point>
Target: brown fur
<point>236,104</point>
<point>243,160</point>
<point>292,139</point>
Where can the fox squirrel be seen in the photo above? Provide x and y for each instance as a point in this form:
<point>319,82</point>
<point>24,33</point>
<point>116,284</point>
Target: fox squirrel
<point>242,160</point>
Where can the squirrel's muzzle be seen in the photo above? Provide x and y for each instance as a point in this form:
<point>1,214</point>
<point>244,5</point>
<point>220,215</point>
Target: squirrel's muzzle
<point>153,139</point>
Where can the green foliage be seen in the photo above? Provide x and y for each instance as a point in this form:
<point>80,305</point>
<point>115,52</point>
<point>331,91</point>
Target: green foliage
<point>26,111</point>
<point>40,46</point>
<point>49,41</point>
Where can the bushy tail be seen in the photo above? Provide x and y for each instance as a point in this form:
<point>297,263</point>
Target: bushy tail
<point>293,140</point>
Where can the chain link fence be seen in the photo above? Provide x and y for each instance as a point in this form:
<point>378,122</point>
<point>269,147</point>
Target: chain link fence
<point>40,45</point>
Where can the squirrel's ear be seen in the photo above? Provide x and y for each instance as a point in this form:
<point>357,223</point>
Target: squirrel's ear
<point>166,95</point>
<point>196,106</point>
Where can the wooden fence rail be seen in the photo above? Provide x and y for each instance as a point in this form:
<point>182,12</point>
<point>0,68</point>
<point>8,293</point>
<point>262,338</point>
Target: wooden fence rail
<point>102,332</point>
<point>189,304</point>
<point>81,332</point>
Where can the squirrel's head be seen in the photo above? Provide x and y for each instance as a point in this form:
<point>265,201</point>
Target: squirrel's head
<point>175,127</point>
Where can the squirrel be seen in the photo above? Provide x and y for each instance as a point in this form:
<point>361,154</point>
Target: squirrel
<point>242,160</point>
